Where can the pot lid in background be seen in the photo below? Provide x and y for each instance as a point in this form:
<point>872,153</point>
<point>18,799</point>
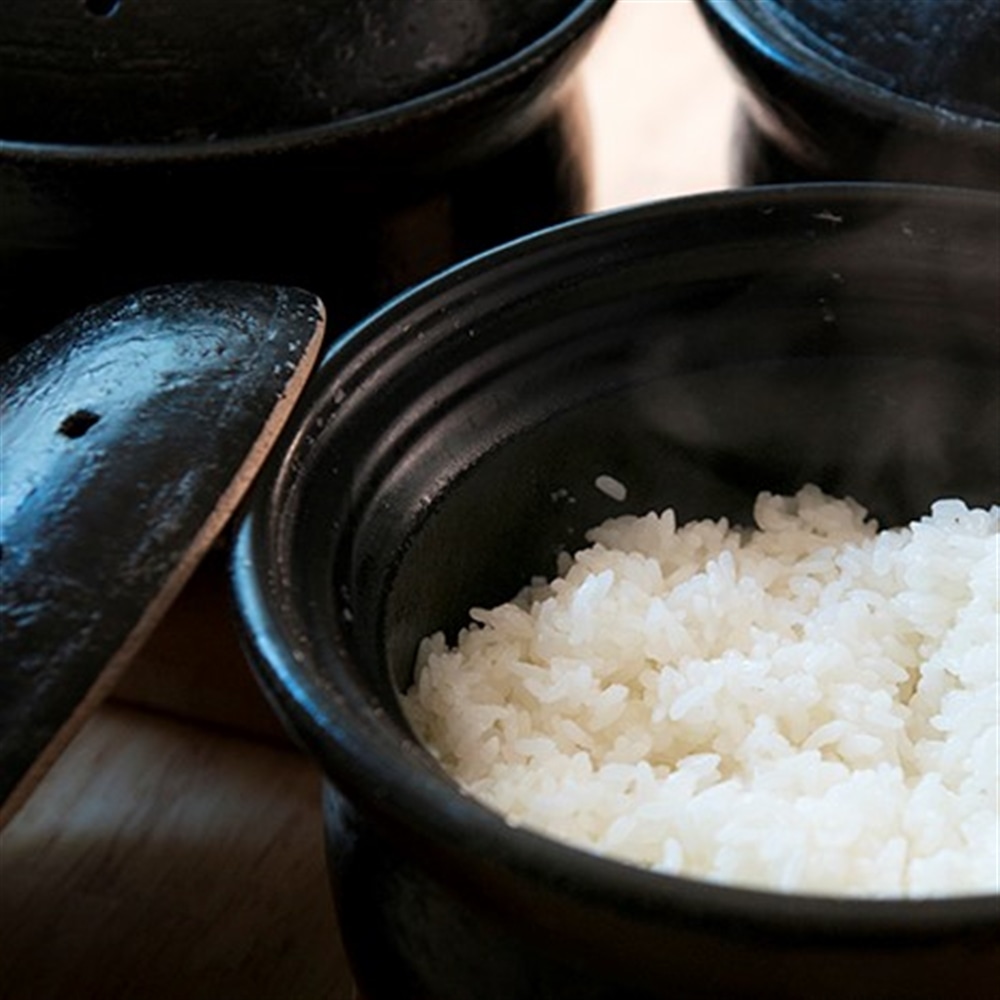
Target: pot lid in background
<point>130,434</point>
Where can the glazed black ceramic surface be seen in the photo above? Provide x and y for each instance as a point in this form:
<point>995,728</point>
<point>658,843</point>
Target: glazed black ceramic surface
<point>129,434</point>
<point>350,147</point>
<point>698,351</point>
<point>899,90</point>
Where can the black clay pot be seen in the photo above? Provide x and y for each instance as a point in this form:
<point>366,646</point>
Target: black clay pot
<point>698,351</point>
<point>896,90</point>
<point>350,148</point>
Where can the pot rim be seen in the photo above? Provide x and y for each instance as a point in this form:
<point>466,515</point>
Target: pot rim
<point>373,762</point>
<point>582,16</point>
<point>775,42</point>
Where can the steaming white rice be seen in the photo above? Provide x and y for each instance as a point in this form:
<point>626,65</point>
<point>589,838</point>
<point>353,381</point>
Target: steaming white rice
<point>811,705</point>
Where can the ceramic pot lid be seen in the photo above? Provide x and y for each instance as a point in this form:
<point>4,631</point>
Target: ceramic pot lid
<point>130,433</point>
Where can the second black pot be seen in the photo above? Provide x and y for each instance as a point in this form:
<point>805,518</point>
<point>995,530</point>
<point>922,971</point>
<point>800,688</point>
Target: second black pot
<point>893,90</point>
<point>347,148</point>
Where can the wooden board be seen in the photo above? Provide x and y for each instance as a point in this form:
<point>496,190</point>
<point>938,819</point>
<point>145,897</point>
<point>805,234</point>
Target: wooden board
<point>161,859</point>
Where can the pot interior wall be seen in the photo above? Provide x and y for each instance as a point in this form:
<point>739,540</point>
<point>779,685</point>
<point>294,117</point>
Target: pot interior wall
<point>867,366</point>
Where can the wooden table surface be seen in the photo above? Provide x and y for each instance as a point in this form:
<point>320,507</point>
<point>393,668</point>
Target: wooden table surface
<point>166,858</point>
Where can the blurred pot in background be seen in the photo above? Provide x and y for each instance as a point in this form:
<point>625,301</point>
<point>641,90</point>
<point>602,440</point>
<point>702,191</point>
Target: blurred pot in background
<point>900,90</point>
<point>348,147</point>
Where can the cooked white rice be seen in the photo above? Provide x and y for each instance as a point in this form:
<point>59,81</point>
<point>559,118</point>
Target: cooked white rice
<point>808,706</point>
